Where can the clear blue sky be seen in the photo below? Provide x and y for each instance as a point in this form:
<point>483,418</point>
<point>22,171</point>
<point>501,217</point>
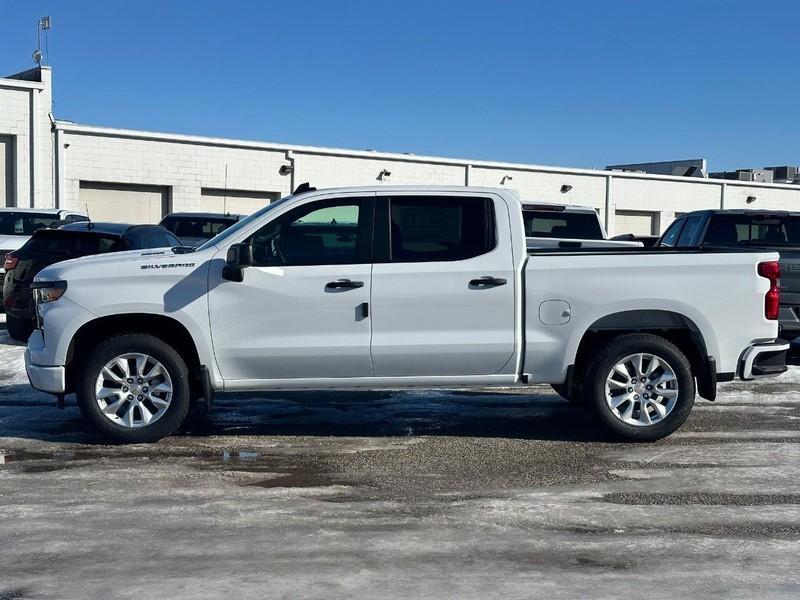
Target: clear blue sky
<point>556,82</point>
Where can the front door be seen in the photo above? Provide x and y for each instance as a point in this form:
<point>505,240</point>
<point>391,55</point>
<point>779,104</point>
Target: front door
<point>301,311</point>
<point>443,291</point>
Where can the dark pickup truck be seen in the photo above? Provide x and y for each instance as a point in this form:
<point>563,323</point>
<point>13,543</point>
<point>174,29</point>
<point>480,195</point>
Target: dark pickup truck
<point>757,229</point>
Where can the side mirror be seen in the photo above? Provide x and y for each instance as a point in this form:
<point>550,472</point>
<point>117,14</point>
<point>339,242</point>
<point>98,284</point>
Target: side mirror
<point>239,257</point>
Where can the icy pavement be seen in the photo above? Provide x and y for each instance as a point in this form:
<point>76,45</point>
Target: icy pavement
<point>401,495</point>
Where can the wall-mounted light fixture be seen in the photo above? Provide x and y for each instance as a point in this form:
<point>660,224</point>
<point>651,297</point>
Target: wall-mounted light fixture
<point>384,174</point>
<point>565,188</point>
<point>286,170</point>
<point>751,199</point>
<point>505,178</point>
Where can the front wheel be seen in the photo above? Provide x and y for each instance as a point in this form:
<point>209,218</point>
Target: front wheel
<point>134,388</point>
<point>641,387</point>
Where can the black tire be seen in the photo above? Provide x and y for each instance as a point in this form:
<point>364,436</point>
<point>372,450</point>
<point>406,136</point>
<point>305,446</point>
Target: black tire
<point>19,329</point>
<point>104,352</point>
<point>616,350</point>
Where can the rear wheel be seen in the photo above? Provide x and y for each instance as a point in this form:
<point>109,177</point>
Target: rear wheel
<point>19,329</point>
<point>134,388</point>
<point>641,387</point>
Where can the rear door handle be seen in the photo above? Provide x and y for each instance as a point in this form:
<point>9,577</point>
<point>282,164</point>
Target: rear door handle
<point>343,284</point>
<point>486,282</point>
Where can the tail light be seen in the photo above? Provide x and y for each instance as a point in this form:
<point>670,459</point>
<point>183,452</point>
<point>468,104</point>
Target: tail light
<point>772,300</point>
<point>10,261</point>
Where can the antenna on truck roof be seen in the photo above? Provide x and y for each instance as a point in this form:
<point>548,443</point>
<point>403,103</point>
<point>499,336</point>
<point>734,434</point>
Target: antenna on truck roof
<point>303,187</point>
<point>89,225</point>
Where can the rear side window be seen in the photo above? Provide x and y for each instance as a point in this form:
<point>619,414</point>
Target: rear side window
<point>553,224</point>
<point>753,230</point>
<point>691,231</point>
<point>71,244</point>
<point>440,228</point>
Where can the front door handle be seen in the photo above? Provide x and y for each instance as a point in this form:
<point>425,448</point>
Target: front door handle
<point>343,284</point>
<point>486,282</point>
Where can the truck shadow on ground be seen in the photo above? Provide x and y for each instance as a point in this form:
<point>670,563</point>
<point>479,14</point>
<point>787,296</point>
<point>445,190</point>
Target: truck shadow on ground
<point>28,414</point>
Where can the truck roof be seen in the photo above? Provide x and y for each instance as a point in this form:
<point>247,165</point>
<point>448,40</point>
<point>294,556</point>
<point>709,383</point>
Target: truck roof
<point>744,211</point>
<point>557,207</point>
<point>104,227</point>
<point>205,215</point>
<point>412,188</point>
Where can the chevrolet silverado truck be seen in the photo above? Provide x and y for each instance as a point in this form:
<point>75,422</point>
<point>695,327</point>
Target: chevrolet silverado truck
<point>391,287</point>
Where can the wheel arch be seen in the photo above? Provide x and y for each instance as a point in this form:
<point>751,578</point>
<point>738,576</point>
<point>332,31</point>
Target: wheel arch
<point>165,328</point>
<point>675,327</point>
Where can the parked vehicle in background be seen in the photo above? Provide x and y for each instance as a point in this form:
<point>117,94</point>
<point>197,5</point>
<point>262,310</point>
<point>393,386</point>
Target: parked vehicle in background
<point>17,225</point>
<point>49,246</point>
<point>195,229</point>
<point>566,226</point>
<point>399,286</point>
<point>756,229</point>
<point>645,240</point>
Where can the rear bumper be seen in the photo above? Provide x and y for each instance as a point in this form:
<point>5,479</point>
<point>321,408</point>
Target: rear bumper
<point>765,359</point>
<point>45,378</point>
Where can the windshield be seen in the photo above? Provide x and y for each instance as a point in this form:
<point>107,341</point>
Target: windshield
<point>233,229</point>
<point>552,224</point>
<point>24,223</point>
<point>753,230</point>
<point>197,227</point>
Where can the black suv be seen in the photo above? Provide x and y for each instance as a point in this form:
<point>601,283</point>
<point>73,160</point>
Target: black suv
<point>49,246</point>
<point>775,230</point>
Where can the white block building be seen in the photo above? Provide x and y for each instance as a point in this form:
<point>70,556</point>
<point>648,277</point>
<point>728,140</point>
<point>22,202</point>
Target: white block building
<point>138,176</point>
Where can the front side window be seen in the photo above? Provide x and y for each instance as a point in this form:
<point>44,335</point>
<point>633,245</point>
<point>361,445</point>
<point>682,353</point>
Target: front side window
<point>319,233</point>
<point>670,237</point>
<point>440,228</point>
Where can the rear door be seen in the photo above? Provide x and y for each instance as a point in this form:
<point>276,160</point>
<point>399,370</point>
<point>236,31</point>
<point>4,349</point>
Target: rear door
<point>442,286</point>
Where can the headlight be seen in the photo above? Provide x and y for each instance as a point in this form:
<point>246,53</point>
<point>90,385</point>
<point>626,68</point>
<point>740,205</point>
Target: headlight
<point>48,291</point>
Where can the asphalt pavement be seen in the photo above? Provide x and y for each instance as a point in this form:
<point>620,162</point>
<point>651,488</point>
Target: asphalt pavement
<point>423,494</point>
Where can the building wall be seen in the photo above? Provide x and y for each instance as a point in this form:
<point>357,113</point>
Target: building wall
<point>66,154</point>
<point>184,168</point>
<point>25,117</point>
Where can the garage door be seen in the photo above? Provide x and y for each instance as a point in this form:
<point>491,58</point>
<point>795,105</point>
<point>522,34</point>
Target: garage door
<point>234,201</point>
<point>6,170</point>
<point>639,223</point>
<point>123,203</point>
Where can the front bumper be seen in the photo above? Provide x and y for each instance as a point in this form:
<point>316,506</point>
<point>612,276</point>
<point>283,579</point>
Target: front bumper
<point>45,378</point>
<point>764,359</point>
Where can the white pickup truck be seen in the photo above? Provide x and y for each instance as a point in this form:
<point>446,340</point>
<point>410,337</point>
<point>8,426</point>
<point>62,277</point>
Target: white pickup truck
<point>387,287</point>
